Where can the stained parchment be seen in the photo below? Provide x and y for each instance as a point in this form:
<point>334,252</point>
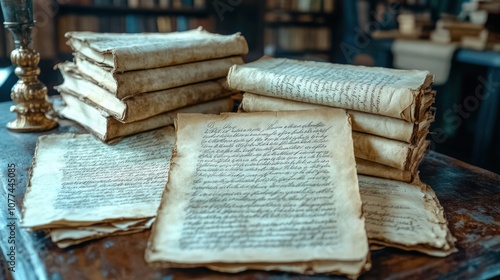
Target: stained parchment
<point>383,126</point>
<point>109,129</point>
<point>76,179</point>
<point>275,190</point>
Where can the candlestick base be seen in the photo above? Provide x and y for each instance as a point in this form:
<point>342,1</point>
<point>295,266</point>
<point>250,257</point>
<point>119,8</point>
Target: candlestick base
<point>29,94</point>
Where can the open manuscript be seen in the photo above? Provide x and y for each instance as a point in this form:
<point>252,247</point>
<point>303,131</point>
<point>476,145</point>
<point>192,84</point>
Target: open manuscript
<point>270,191</point>
<point>83,189</point>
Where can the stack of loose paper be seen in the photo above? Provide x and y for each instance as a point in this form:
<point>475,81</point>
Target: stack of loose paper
<point>390,109</point>
<point>82,189</point>
<point>138,81</point>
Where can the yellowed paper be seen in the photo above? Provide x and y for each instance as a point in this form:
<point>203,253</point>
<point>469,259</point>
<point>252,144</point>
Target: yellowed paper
<point>108,129</point>
<point>72,236</point>
<point>70,242</point>
<point>385,151</point>
<point>405,216</point>
<point>140,106</point>
<point>387,127</point>
<point>125,52</point>
<point>131,83</point>
<point>388,92</point>
<point>270,190</point>
<point>76,178</point>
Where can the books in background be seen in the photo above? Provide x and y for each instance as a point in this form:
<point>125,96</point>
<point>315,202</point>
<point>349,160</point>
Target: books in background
<point>155,18</point>
<point>139,81</point>
<point>255,191</point>
<point>298,29</point>
<point>298,38</point>
<point>326,6</point>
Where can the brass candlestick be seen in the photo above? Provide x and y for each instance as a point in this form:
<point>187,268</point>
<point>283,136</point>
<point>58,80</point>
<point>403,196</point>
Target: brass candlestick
<point>29,94</point>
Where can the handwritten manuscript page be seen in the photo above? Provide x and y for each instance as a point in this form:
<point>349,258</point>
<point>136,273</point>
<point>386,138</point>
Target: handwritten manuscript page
<point>78,180</point>
<point>405,216</point>
<point>271,190</point>
<point>383,126</point>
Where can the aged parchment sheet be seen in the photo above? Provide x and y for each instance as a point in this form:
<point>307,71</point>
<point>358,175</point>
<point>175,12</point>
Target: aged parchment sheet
<point>131,83</point>
<point>78,180</point>
<point>405,216</point>
<point>65,237</point>
<point>269,190</point>
<point>383,126</point>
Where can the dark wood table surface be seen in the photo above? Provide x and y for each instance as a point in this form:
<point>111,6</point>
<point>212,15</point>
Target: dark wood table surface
<point>469,195</point>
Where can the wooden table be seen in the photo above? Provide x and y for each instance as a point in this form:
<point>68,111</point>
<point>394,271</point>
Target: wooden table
<point>469,195</point>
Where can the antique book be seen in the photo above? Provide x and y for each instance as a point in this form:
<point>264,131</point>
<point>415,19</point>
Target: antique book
<point>370,168</point>
<point>405,216</point>
<point>142,106</point>
<point>76,180</point>
<point>131,83</point>
<point>389,152</point>
<point>383,126</point>
<point>106,128</point>
<point>125,52</point>
<point>402,94</point>
<point>268,190</point>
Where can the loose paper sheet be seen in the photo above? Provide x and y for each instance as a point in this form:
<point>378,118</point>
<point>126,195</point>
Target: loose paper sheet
<point>274,190</point>
<point>389,92</point>
<point>75,179</point>
<point>405,216</point>
<point>370,168</point>
<point>72,236</point>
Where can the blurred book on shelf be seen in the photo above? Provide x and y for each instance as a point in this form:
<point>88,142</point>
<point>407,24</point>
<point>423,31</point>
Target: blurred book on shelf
<point>299,29</point>
<point>56,18</point>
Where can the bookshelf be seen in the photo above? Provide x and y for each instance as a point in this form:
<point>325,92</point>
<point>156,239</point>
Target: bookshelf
<point>132,16</point>
<point>299,29</point>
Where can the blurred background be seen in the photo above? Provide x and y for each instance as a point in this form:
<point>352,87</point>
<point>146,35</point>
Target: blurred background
<point>458,41</point>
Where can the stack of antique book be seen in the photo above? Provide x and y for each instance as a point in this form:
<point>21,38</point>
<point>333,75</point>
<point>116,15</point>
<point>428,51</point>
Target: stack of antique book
<point>122,84</point>
<point>390,109</point>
